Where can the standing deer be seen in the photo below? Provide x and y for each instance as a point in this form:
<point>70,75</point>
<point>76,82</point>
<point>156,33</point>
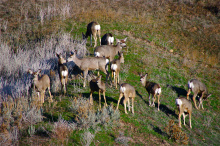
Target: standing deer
<point>152,88</point>
<point>184,107</point>
<point>115,67</point>
<point>63,72</point>
<point>127,91</point>
<point>107,39</point>
<point>198,88</point>
<point>98,86</point>
<point>90,63</point>
<point>93,29</point>
<point>109,51</point>
<point>41,84</point>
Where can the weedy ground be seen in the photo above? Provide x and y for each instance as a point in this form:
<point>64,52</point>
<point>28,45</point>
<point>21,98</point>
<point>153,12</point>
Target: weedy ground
<point>173,41</point>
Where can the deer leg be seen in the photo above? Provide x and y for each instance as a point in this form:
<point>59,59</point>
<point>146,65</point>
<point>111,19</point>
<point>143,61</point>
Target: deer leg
<point>200,100</point>
<point>100,100</point>
<point>132,104</point>
<point>194,100</point>
<point>84,77</point>
<point>188,93</point>
<point>184,116</point>
<point>99,37</point>
<point>190,120</point>
<point>154,98</point>
<point>95,38</point>
<point>158,100</point>
<point>129,106</point>
<point>149,100</point>
<point>105,99</point>
<point>91,98</point>
<point>120,96</point>
<point>51,99</point>
<point>180,113</point>
<point>91,40</point>
<point>125,107</point>
<point>117,80</point>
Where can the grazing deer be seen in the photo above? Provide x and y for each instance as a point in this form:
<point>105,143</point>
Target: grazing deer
<point>90,63</point>
<point>41,84</point>
<point>198,88</point>
<point>109,51</point>
<point>63,72</point>
<point>93,29</point>
<point>98,86</point>
<point>127,91</point>
<point>115,68</point>
<point>152,88</point>
<point>184,107</point>
<point>107,39</point>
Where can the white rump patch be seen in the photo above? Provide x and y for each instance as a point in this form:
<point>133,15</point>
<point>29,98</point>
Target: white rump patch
<point>97,27</point>
<point>111,40</point>
<point>64,73</point>
<point>114,67</point>
<point>107,61</point>
<point>178,102</point>
<point>158,91</point>
<point>122,89</point>
<point>191,85</point>
<point>97,54</point>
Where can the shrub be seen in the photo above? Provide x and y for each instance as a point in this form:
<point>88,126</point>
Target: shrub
<point>174,132</point>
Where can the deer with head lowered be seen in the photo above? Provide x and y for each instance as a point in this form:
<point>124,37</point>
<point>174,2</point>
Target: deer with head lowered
<point>41,84</point>
<point>152,88</point>
<point>109,51</point>
<point>127,91</point>
<point>93,29</point>
<point>115,67</point>
<point>90,63</point>
<point>184,107</point>
<point>107,39</point>
<point>98,86</point>
<point>198,88</point>
<point>63,72</point>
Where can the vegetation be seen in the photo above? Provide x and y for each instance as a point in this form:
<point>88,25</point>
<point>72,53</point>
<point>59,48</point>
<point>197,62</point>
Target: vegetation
<point>174,41</point>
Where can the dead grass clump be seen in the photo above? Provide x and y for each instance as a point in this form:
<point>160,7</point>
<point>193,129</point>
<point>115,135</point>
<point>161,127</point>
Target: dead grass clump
<point>86,117</point>
<point>16,118</point>
<point>61,131</point>
<point>174,132</point>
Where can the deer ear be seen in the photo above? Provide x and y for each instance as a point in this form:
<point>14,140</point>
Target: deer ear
<point>125,39</point>
<point>39,71</point>
<point>57,55</point>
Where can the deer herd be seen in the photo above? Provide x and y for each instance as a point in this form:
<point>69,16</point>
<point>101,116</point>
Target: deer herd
<point>103,56</point>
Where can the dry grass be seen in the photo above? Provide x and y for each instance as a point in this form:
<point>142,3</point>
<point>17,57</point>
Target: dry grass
<point>174,132</point>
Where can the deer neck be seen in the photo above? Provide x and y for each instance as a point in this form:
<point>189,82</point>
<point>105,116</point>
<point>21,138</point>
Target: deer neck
<point>77,61</point>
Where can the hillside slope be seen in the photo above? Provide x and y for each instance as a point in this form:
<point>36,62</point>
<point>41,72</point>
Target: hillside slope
<point>172,41</point>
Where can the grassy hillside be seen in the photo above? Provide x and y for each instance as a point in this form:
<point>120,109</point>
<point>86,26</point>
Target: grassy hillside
<point>173,41</point>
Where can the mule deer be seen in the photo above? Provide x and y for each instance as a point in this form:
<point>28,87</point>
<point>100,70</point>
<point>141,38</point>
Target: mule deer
<point>198,88</point>
<point>93,29</point>
<point>41,84</point>
<point>127,91</point>
<point>90,63</point>
<point>63,72</point>
<point>184,107</point>
<point>152,88</point>
<point>115,68</point>
<point>109,51</point>
<point>99,86</point>
<point>107,39</point>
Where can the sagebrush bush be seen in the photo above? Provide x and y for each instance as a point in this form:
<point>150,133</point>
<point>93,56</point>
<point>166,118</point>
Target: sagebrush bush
<point>86,117</point>
<point>174,132</point>
<point>61,130</point>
